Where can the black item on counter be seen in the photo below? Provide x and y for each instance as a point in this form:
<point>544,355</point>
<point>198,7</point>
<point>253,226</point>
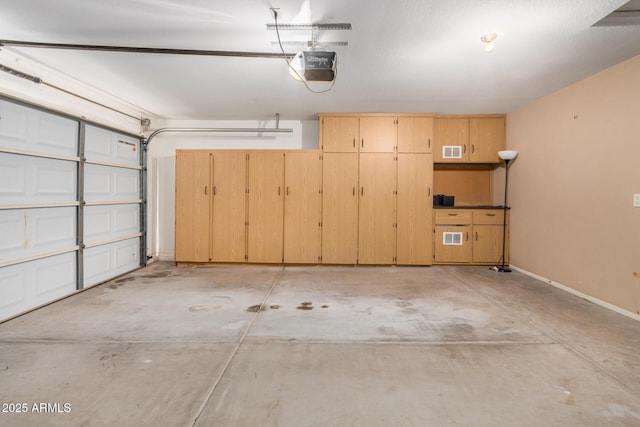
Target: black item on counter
<point>443,200</point>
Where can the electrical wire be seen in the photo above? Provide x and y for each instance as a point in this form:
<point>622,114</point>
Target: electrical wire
<point>286,58</point>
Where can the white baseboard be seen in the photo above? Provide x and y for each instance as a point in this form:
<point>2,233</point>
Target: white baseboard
<point>578,293</point>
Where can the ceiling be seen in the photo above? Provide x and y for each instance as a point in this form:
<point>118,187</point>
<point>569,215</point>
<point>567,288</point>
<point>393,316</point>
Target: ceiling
<point>402,56</point>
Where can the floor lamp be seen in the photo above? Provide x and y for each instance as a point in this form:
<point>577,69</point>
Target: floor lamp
<point>507,156</point>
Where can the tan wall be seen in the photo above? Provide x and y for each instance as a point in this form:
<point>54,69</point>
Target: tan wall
<point>571,187</point>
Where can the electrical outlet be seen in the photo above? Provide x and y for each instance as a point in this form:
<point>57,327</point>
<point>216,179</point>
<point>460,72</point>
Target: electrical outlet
<point>636,200</point>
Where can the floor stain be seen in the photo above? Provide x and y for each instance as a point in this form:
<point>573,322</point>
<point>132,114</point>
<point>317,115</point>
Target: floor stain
<point>274,306</point>
<point>198,308</point>
<point>157,275</point>
<point>325,306</point>
<point>256,308</point>
<point>404,303</point>
<point>124,280</point>
<point>307,305</point>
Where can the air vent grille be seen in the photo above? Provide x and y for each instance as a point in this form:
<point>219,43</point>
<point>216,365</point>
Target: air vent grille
<point>450,238</point>
<point>452,152</point>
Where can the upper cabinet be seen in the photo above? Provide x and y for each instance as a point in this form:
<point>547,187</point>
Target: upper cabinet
<point>376,132</point>
<point>339,134</point>
<point>469,139</point>
<point>415,134</point>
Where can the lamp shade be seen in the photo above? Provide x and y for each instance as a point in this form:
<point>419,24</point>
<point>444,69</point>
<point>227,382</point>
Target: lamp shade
<point>507,154</point>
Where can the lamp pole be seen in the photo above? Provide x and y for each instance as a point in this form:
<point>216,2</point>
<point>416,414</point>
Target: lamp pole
<point>507,156</point>
<point>504,217</point>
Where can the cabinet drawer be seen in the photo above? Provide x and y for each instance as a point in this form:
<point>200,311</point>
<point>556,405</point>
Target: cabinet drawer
<point>488,216</point>
<point>452,216</point>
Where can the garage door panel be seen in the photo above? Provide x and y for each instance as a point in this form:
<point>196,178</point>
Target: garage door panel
<point>105,222</point>
<point>13,126</point>
<point>12,288</point>
<point>107,261</point>
<point>25,179</point>
<point>106,183</point>
<point>55,278</point>
<point>27,285</point>
<point>26,129</point>
<point>32,232</point>
<point>106,146</point>
<point>53,134</point>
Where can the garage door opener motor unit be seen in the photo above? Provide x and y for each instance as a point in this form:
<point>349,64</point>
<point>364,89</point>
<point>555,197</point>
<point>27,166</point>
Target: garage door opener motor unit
<point>314,66</point>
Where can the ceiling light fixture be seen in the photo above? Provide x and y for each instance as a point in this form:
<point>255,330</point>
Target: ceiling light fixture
<point>488,39</point>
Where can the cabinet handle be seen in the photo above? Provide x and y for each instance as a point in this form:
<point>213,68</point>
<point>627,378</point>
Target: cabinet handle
<point>476,236</point>
<point>464,148</point>
<point>362,142</point>
<point>205,190</point>
<point>278,190</point>
<point>362,191</point>
<point>490,214</point>
<point>215,190</point>
<point>287,190</point>
<point>453,214</point>
<point>354,143</point>
<point>467,236</point>
<point>429,142</point>
<point>429,192</point>
<point>354,191</point>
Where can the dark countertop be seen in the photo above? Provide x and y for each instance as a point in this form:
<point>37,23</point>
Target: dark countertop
<point>471,207</point>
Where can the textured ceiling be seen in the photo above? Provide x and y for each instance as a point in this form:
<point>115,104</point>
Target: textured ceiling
<point>404,55</point>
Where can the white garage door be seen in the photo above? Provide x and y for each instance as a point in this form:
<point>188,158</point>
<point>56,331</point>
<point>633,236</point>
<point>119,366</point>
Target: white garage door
<point>71,206</point>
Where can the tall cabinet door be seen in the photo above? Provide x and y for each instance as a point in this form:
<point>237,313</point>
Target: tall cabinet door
<point>193,206</point>
<point>377,234</point>
<point>339,208</point>
<point>415,208</point>
<point>266,206</point>
<point>229,206</point>
<point>302,207</point>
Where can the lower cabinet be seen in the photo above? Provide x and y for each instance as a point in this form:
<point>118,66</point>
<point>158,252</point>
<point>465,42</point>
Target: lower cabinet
<point>266,207</point>
<point>469,236</point>
<point>303,207</point>
<point>340,208</point>
<point>377,209</point>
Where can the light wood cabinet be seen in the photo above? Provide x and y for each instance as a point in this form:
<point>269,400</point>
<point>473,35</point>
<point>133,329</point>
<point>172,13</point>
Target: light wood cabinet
<point>414,209</point>
<point>302,207</point>
<point>468,139</point>
<point>339,134</point>
<point>452,244</point>
<point>378,134</point>
<point>266,207</point>
<point>340,208</point>
<point>228,231</point>
<point>469,236</point>
<point>415,134</point>
<point>451,139</point>
<point>377,209</point>
<point>487,136</point>
<point>193,208</point>
<point>487,236</point>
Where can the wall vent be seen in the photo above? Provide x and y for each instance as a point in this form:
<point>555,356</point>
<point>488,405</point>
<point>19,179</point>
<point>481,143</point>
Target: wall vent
<point>452,152</point>
<point>450,238</point>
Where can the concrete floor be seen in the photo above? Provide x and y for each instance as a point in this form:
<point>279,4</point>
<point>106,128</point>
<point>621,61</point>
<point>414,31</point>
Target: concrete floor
<point>333,346</point>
